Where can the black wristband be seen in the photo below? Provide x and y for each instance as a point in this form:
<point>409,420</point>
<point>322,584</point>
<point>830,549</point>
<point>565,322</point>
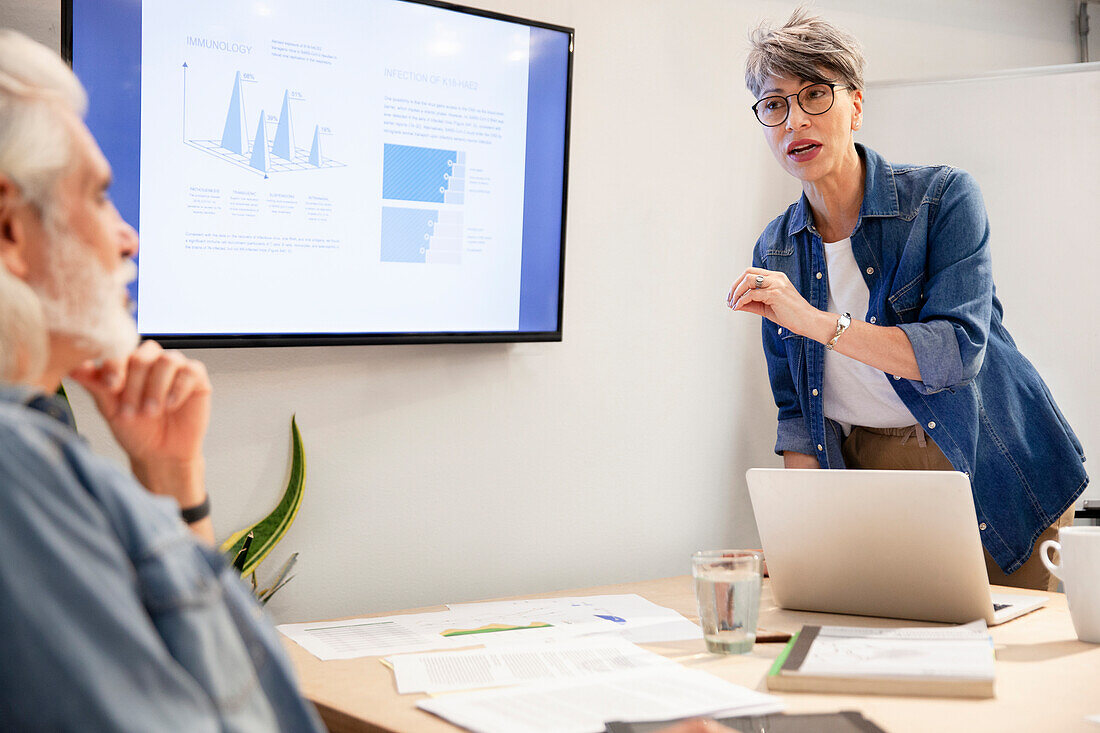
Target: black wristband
<point>198,512</point>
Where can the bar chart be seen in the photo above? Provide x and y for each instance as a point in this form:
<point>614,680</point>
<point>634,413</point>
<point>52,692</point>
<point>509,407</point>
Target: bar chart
<point>431,175</point>
<point>423,175</point>
<point>429,236</point>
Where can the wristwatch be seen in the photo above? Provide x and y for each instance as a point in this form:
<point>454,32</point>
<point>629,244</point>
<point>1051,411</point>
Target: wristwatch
<point>842,324</point>
<point>196,513</point>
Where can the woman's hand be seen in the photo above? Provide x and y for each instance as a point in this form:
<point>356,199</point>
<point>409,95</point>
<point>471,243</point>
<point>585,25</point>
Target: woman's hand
<point>775,298</point>
<point>770,294</point>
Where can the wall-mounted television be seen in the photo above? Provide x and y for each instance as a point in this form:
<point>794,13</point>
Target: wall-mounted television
<point>333,172</point>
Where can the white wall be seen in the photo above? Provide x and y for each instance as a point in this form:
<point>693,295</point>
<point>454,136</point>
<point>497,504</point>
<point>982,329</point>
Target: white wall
<point>39,19</point>
<point>1033,194</point>
<point>455,472</point>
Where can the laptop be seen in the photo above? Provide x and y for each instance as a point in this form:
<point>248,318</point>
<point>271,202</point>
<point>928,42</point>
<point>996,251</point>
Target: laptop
<point>900,544</point>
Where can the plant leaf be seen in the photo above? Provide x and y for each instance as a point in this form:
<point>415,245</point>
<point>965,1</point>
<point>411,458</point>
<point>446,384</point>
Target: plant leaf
<point>234,539</point>
<point>265,596</point>
<point>65,396</point>
<point>272,528</point>
<point>242,554</point>
<point>286,568</point>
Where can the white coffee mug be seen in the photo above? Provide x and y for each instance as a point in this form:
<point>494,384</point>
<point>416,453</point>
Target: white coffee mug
<point>1079,571</point>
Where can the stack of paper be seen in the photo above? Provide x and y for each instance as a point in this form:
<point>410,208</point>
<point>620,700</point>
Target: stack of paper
<point>566,664</point>
<point>584,706</point>
<point>491,624</point>
<point>474,669</point>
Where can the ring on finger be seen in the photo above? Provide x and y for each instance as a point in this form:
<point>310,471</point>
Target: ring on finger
<point>759,282</point>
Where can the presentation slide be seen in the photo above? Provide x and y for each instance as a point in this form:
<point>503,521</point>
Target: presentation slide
<point>272,149</point>
<point>339,167</point>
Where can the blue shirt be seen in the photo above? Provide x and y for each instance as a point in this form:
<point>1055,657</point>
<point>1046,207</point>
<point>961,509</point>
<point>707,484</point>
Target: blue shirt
<point>922,244</point>
<point>113,617</point>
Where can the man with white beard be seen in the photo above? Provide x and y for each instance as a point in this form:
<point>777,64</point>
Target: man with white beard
<point>115,615</point>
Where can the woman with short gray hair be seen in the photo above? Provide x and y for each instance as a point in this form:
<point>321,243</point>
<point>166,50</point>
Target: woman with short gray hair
<point>881,327</point>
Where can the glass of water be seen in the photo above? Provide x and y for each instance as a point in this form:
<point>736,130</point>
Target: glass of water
<point>727,586</point>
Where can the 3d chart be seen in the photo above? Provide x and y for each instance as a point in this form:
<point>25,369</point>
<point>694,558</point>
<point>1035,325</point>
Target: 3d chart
<point>271,146</point>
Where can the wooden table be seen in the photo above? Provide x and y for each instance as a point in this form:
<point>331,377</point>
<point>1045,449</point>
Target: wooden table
<point>1047,680</point>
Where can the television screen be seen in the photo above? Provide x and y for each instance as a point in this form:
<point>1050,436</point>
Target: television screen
<point>337,171</point>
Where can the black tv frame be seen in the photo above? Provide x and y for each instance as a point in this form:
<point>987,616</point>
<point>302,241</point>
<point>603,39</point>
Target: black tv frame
<point>203,341</point>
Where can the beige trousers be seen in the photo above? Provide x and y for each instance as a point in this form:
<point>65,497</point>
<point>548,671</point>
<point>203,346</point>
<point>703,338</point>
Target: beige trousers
<point>911,449</point>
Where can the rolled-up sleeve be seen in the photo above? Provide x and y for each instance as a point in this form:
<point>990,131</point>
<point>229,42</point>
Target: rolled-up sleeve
<point>792,433</point>
<point>949,336</point>
<point>793,436</point>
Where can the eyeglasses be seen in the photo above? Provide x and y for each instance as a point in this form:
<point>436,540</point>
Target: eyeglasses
<point>814,99</point>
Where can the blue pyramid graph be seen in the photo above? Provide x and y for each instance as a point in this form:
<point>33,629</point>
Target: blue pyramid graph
<point>235,134</point>
<point>315,150</point>
<point>260,159</point>
<point>284,133</point>
<point>260,153</point>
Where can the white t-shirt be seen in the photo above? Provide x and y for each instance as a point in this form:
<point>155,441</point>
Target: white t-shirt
<point>855,393</point>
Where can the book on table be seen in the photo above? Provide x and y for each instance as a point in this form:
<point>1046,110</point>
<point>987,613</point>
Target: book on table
<point>955,661</point>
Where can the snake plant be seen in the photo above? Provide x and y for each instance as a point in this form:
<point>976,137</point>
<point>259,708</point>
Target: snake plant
<point>248,547</point>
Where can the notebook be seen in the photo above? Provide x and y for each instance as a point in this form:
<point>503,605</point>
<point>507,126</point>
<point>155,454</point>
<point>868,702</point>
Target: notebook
<point>955,661</point>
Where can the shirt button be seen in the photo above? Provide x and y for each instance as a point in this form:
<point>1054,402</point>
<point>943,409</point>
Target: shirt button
<point>870,271</point>
<point>819,276</point>
<point>896,377</point>
<point>780,331</point>
<point>982,526</point>
<point>815,395</point>
<point>931,424</point>
<point>872,319</point>
<point>819,447</point>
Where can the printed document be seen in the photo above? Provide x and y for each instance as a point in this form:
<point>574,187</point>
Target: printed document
<point>626,615</point>
<point>366,637</point>
<point>584,706</point>
<point>493,624</point>
<point>500,666</point>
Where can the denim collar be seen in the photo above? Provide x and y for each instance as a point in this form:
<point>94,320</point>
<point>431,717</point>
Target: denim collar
<point>36,399</point>
<point>880,193</point>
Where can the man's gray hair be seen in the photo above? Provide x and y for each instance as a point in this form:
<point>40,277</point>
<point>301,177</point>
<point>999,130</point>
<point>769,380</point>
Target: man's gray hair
<point>806,47</point>
<point>37,89</point>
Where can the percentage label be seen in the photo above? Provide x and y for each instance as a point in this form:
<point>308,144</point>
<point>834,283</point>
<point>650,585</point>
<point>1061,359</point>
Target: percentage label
<point>248,77</point>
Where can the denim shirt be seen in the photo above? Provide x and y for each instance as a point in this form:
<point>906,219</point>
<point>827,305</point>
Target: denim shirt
<point>922,244</point>
<point>114,617</point>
